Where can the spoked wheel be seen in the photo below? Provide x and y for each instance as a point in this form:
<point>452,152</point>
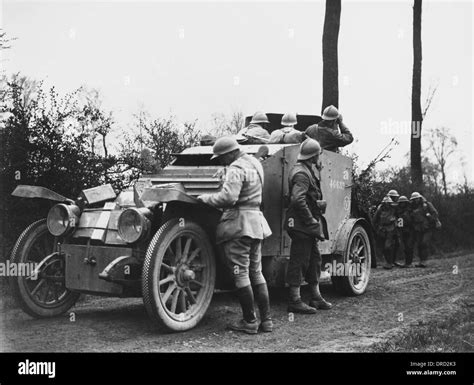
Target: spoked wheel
<point>358,262</point>
<point>178,275</point>
<point>42,291</point>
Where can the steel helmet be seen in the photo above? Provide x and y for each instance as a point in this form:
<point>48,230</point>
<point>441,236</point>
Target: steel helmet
<point>289,119</point>
<point>393,193</point>
<point>259,117</point>
<point>387,199</point>
<point>402,199</point>
<point>308,149</point>
<point>415,195</point>
<point>224,145</point>
<point>330,113</point>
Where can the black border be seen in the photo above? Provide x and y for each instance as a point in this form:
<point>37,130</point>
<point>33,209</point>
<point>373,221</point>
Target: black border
<point>238,368</point>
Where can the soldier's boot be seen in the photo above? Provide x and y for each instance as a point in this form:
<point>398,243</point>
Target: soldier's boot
<point>388,260</point>
<point>249,322</point>
<point>263,301</point>
<point>395,254</point>
<point>317,301</point>
<point>296,305</point>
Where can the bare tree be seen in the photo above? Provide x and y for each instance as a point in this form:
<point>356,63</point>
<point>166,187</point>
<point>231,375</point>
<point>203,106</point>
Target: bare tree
<point>416,113</point>
<point>94,120</point>
<point>5,40</point>
<point>332,20</point>
<point>443,145</point>
<point>429,98</point>
<point>224,125</point>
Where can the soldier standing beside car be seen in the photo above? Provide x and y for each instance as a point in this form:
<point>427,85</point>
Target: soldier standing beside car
<point>384,224</point>
<point>241,229</point>
<point>331,132</point>
<point>302,223</point>
<point>404,229</point>
<point>425,220</point>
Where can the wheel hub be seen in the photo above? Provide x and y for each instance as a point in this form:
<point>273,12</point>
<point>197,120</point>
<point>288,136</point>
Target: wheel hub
<point>184,274</point>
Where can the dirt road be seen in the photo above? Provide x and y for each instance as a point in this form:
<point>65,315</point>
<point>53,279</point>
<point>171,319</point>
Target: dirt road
<point>395,300</point>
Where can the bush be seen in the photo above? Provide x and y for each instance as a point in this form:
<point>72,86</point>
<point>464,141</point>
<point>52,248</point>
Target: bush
<point>61,143</point>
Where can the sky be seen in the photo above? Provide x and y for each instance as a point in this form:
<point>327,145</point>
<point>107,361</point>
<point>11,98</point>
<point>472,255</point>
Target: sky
<point>194,59</point>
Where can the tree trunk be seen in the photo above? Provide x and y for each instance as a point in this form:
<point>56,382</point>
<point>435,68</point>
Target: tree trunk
<point>416,115</point>
<point>330,65</point>
<point>443,179</point>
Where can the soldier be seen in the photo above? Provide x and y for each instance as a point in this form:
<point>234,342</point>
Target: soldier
<point>331,132</point>
<point>287,134</point>
<point>384,224</point>
<point>303,226</point>
<point>425,219</point>
<point>241,230</point>
<point>256,132</point>
<point>393,194</point>
<point>404,229</point>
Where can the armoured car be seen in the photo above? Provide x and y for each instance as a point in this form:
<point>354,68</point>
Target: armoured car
<point>157,241</point>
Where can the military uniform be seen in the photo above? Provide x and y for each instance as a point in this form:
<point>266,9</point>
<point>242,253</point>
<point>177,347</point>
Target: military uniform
<point>424,217</point>
<point>254,134</point>
<point>240,231</point>
<point>302,225</point>
<point>286,135</point>
<point>330,138</point>
<point>404,231</point>
<point>384,224</point>
<point>242,225</point>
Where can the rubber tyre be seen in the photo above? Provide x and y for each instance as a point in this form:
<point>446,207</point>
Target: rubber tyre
<point>345,285</point>
<point>152,268</point>
<point>20,254</point>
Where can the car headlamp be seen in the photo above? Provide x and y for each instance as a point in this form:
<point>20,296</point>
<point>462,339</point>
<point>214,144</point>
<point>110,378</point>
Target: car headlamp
<point>133,224</point>
<point>62,218</point>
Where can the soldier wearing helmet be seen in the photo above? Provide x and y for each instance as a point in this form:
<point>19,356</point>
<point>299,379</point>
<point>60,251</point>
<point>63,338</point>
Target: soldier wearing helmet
<point>425,220</point>
<point>241,229</point>
<point>384,224</point>
<point>303,225</point>
<point>331,132</point>
<point>288,133</point>
<point>393,194</point>
<point>404,229</point>
<point>256,132</point>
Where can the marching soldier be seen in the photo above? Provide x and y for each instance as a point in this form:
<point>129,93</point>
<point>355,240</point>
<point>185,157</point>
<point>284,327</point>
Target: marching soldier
<point>331,132</point>
<point>256,132</point>
<point>287,134</point>
<point>241,230</point>
<point>425,219</point>
<point>302,223</point>
<point>404,229</point>
<point>384,224</point>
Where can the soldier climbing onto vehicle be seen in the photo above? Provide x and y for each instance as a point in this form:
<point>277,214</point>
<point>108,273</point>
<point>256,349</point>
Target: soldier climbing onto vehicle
<point>256,132</point>
<point>404,230</point>
<point>331,132</point>
<point>241,229</point>
<point>288,133</point>
<point>384,224</point>
<point>425,220</point>
<point>303,225</point>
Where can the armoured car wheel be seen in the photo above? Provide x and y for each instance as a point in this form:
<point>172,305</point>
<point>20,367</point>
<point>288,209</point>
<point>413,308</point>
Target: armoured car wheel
<point>178,275</point>
<point>357,262</point>
<point>43,295</point>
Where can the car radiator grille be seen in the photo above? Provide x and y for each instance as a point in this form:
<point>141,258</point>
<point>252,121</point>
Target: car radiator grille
<point>196,181</point>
